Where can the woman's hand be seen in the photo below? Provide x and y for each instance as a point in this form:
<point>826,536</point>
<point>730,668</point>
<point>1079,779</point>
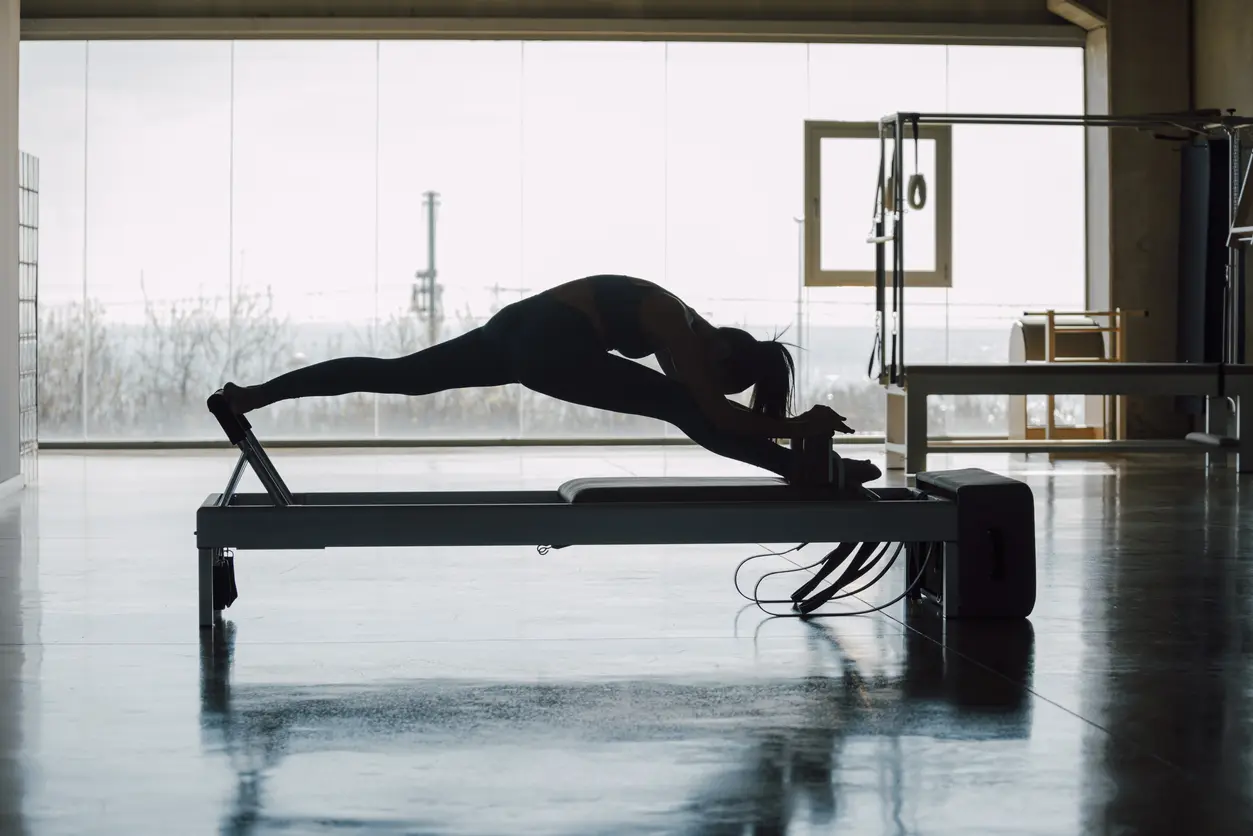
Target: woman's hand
<point>822,420</point>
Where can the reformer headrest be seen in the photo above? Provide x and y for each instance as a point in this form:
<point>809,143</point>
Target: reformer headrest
<point>662,489</point>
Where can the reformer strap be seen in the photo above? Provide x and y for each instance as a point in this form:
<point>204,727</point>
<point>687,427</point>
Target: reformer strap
<point>858,567</point>
<point>832,562</point>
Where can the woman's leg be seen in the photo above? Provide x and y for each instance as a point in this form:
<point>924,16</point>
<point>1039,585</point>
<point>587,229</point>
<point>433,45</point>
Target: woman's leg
<point>606,381</point>
<point>470,360</point>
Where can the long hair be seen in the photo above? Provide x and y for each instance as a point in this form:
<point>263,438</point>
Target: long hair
<point>767,366</point>
<point>776,372</point>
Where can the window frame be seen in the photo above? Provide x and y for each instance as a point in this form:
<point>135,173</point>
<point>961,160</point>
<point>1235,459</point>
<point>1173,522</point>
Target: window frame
<point>940,196</point>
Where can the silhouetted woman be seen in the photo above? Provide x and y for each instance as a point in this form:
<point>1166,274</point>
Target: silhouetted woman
<point>558,343</point>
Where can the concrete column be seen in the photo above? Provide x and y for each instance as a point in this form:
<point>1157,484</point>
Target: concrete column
<point>10,36</point>
<point>1223,54</point>
<point>1138,63</point>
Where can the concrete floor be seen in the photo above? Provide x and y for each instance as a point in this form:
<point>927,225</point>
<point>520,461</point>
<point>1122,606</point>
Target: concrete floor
<point>612,690</point>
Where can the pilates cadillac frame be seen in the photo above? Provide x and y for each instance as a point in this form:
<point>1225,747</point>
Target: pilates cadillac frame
<point>896,129</point>
<point>970,534</point>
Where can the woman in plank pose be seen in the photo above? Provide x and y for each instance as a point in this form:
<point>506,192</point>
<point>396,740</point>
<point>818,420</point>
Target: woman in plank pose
<point>558,343</point>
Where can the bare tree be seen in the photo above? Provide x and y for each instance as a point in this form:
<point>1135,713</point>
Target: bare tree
<point>75,339</point>
<point>259,343</point>
<point>178,344</point>
<point>187,349</point>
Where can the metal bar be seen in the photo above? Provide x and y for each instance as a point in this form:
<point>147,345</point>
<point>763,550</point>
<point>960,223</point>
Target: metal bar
<point>1235,257</point>
<point>317,499</point>
<point>1206,121</point>
<point>898,251</point>
<point>1116,312</point>
<point>608,523</point>
<point>333,442</point>
<point>1058,445</point>
<point>880,259</point>
<point>265,469</point>
<point>233,482</point>
<point>1065,379</point>
<point>1082,329</point>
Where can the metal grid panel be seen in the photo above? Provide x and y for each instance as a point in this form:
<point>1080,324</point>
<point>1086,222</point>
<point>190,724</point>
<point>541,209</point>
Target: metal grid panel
<point>28,316</point>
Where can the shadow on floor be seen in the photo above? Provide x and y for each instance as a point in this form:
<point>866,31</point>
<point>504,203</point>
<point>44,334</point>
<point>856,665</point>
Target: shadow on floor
<point>775,745</point>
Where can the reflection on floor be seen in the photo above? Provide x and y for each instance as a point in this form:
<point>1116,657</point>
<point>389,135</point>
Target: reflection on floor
<point>611,690</point>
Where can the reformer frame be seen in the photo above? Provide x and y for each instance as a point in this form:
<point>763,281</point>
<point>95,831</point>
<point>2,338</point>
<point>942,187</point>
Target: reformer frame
<point>281,519</point>
<point>895,128</point>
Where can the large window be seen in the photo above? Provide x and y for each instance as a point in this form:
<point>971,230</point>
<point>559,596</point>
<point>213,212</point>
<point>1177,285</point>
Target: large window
<point>218,210</point>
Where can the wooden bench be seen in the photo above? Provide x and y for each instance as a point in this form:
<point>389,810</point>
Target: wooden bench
<point>1222,385</point>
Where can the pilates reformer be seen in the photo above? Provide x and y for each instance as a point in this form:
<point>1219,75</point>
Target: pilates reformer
<point>968,535</point>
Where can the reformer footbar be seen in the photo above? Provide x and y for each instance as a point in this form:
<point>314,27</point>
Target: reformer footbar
<point>239,432</point>
<point>970,534</point>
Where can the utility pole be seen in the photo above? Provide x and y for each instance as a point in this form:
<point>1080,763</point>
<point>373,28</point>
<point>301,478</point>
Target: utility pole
<point>497,290</point>
<point>426,291</point>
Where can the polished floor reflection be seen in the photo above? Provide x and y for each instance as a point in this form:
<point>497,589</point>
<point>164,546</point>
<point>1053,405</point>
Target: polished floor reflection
<point>612,690</point>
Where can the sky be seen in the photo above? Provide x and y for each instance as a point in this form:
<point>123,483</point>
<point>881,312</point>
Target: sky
<point>178,169</point>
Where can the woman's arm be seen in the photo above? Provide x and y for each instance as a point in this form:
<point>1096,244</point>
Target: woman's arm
<point>684,354</point>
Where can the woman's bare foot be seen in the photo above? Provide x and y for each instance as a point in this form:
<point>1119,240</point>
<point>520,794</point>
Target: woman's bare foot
<point>241,399</point>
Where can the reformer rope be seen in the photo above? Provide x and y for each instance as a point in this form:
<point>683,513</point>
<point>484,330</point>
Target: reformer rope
<point>856,573</point>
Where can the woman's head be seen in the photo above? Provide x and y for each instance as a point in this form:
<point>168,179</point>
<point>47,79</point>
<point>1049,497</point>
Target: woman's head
<point>765,365</point>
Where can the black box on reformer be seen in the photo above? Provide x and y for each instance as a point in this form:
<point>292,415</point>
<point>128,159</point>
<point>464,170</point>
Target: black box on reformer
<point>989,572</point>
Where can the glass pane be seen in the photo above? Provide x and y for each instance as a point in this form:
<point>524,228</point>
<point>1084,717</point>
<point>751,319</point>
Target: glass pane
<point>53,127</point>
<point>865,82</point>
<point>593,133</point>
<point>460,138</point>
<point>734,173</point>
<point>678,162</point>
<point>735,113</point>
<point>836,345</point>
<point>158,223</point>
<point>848,169</point>
<point>303,245</point>
<point>1012,253</point>
<point>594,188</point>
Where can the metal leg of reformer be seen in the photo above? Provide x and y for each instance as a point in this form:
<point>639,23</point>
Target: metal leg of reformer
<point>1244,435</point>
<point>1219,418</point>
<point>206,589</point>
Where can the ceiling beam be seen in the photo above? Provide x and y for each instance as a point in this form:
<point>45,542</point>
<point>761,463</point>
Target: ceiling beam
<point>1083,13</point>
<point>537,29</point>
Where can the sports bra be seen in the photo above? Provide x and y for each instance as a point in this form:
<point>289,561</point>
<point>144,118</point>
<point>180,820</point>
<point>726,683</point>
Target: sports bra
<point>618,301</point>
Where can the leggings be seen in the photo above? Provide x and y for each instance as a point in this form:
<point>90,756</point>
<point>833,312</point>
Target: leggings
<point>548,347</point>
